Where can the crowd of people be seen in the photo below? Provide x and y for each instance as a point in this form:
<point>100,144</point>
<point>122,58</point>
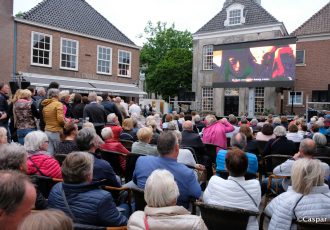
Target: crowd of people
<point>174,168</point>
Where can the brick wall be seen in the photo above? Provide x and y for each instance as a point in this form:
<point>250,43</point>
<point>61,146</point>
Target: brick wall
<point>315,75</point>
<point>87,56</point>
<point>6,40</point>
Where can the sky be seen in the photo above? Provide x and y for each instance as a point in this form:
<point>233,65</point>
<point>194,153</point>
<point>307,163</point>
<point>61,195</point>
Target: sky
<point>131,16</point>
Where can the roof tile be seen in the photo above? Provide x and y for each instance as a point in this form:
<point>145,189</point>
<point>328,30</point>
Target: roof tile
<point>77,16</point>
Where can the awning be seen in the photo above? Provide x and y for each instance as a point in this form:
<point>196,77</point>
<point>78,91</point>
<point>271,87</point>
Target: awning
<point>80,85</point>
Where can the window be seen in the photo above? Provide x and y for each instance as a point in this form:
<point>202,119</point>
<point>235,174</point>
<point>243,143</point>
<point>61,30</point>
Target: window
<point>234,17</point>
<point>259,100</point>
<point>69,54</point>
<point>41,49</point>
<point>104,60</point>
<point>300,57</point>
<point>207,98</point>
<point>208,57</point>
<point>124,63</point>
<point>297,98</point>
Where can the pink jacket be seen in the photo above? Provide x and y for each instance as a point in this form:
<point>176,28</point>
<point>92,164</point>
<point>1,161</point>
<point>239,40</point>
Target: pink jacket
<point>46,164</point>
<point>216,133</point>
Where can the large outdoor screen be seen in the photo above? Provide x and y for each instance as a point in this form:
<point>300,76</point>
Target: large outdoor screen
<point>255,64</point>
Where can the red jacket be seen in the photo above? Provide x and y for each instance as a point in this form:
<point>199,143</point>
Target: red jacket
<point>46,164</point>
<point>115,146</point>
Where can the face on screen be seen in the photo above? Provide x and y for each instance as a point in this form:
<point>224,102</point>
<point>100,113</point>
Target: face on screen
<point>255,64</point>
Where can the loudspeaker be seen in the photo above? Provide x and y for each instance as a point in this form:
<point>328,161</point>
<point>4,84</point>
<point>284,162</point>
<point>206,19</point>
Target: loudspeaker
<point>25,84</point>
<point>13,87</point>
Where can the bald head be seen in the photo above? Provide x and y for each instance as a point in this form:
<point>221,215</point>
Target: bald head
<point>307,147</point>
<point>187,125</point>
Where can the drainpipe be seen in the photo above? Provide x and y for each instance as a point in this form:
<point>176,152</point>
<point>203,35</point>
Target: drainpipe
<point>14,51</point>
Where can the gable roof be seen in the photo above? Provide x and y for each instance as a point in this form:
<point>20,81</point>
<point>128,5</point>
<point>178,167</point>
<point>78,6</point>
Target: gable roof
<point>255,15</point>
<point>77,16</point>
<point>319,23</point>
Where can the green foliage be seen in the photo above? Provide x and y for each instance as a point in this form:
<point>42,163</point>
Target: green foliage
<point>19,14</point>
<point>168,57</point>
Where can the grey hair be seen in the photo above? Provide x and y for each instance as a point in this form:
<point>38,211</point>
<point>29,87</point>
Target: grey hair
<point>307,147</point>
<point>77,167</point>
<point>306,174</point>
<point>320,123</point>
<point>187,125</point>
<point>34,140</point>
<point>41,90</point>
<point>53,93</point>
<point>92,96</point>
<point>86,138</point>
<point>280,131</point>
<point>12,189</point>
<point>197,117</point>
<point>111,117</point>
<point>12,156</point>
<point>210,119</point>
<point>166,143</point>
<point>320,139</point>
<point>254,121</point>
<point>106,133</point>
<point>238,140</point>
<point>161,189</point>
<point>64,94</point>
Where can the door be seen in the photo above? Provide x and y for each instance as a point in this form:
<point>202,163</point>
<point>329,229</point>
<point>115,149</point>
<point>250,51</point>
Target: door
<point>231,105</point>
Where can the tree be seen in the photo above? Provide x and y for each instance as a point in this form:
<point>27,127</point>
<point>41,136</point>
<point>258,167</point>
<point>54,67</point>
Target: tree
<point>168,57</point>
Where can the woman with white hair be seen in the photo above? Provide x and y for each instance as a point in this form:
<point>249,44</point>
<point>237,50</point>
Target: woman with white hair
<point>64,98</point>
<point>280,145</point>
<point>142,146</point>
<point>308,197</point>
<point>39,161</point>
<point>161,193</point>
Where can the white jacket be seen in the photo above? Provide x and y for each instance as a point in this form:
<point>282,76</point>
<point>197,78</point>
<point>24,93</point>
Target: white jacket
<point>229,194</point>
<point>315,204</point>
<point>285,168</point>
<point>172,217</point>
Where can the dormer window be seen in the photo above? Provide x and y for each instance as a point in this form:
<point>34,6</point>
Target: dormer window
<point>235,15</point>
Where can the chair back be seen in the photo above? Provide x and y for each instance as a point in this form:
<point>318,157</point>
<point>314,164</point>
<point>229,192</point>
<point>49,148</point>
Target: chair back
<point>261,146</point>
<point>312,226</point>
<point>130,165</point>
<point>224,174</point>
<point>211,151</point>
<point>216,217</point>
<point>60,158</point>
<point>78,226</point>
<point>113,159</point>
<point>193,152</point>
<point>271,161</point>
<point>44,184</point>
<point>324,159</point>
<point>140,202</point>
<point>127,144</point>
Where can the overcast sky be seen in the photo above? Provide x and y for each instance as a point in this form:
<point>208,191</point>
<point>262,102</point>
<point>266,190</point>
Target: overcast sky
<point>131,16</point>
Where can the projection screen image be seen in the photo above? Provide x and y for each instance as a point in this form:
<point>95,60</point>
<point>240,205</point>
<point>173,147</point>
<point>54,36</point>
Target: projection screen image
<point>252,66</point>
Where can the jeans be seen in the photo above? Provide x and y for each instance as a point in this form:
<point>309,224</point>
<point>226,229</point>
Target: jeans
<point>21,133</point>
<point>276,184</point>
<point>54,139</point>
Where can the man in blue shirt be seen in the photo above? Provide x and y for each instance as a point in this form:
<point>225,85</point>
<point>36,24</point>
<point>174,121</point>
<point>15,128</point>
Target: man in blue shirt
<point>168,149</point>
<point>239,141</point>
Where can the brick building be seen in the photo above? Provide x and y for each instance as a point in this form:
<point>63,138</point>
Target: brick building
<point>239,21</point>
<point>312,69</point>
<point>71,43</point>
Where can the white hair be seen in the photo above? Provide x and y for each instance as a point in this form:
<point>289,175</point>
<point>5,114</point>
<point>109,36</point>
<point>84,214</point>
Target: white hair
<point>161,189</point>
<point>92,96</point>
<point>277,120</point>
<point>64,94</point>
<point>319,139</point>
<point>106,133</point>
<point>320,123</point>
<point>34,140</point>
<point>280,131</point>
<point>111,117</point>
